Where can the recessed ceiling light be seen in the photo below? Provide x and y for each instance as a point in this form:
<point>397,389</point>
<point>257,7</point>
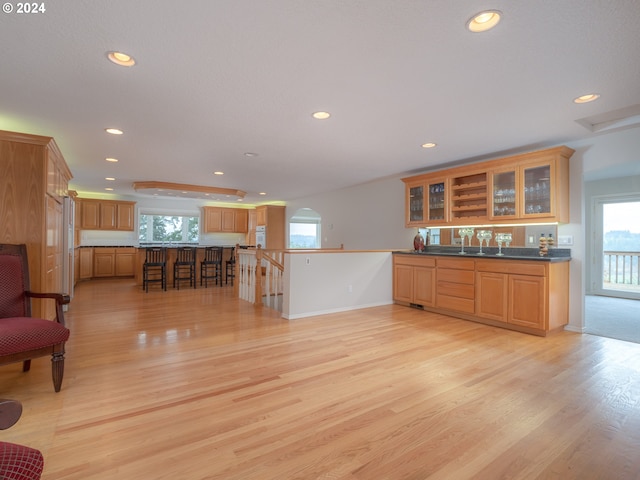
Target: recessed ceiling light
<point>483,21</point>
<point>114,131</point>
<point>121,59</point>
<point>112,160</point>
<point>262,193</point>
<point>321,115</point>
<point>250,154</point>
<point>111,179</point>
<point>218,173</point>
<point>109,189</point>
<point>586,98</point>
<point>429,145</point>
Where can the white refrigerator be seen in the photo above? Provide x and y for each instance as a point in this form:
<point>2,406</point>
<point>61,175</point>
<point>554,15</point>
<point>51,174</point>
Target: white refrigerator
<point>68,215</point>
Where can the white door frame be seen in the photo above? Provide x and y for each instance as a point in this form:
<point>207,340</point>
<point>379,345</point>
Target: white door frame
<point>597,256</point>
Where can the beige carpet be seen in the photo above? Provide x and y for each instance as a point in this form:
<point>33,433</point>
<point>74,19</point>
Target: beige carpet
<point>612,317</point>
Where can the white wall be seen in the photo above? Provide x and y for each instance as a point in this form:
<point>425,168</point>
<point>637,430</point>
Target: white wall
<point>322,282</point>
<point>613,155</point>
<point>367,216</point>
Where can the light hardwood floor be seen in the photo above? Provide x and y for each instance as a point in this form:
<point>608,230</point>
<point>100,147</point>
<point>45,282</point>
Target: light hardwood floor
<point>194,384</point>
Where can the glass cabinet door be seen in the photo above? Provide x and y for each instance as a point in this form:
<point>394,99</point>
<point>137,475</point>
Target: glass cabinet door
<point>436,210</point>
<point>416,204</point>
<point>537,191</point>
<point>504,194</point>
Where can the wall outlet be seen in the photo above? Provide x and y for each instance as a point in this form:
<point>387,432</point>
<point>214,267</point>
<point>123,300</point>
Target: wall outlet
<point>350,289</point>
<point>307,261</point>
<point>565,240</point>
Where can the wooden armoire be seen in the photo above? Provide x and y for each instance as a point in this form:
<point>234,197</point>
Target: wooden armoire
<point>34,179</point>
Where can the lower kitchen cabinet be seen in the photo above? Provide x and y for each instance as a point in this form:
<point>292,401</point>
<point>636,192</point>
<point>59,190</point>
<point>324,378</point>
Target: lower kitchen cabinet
<point>125,261</point>
<point>455,288</point>
<point>86,263</point>
<point>102,262</point>
<point>516,292</point>
<point>526,295</point>
<point>414,280</point>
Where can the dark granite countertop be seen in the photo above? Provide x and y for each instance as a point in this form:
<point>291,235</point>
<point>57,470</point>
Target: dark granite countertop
<point>511,253</point>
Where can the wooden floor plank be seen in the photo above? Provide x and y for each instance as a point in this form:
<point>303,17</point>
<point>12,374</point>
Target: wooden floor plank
<point>196,384</point>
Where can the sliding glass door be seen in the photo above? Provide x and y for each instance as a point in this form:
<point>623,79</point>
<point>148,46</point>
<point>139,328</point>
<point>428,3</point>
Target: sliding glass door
<point>616,241</point>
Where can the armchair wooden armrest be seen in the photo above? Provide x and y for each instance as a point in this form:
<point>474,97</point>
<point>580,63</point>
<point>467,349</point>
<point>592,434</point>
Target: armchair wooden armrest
<point>60,299</point>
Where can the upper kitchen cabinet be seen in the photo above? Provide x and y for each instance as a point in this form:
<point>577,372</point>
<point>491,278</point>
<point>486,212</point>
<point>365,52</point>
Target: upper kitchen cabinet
<point>535,187</point>
<point>531,187</point>
<point>469,197</point>
<point>34,178</point>
<point>106,214</point>
<point>225,220</point>
<point>272,217</point>
<point>427,201</point>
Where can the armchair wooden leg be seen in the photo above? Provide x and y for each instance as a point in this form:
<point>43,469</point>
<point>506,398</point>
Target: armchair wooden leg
<point>26,365</point>
<point>57,369</point>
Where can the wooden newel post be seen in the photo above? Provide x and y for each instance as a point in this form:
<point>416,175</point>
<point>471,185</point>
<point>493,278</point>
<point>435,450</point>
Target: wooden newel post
<point>258,277</point>
<point>236,271</point>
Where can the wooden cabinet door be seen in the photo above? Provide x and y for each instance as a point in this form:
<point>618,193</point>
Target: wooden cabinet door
<point>228,220</point>
<point>261,215</point>
<point>104,262</point>
<point>415,203</point>
<point>86,263</point>
<point>125,261</point>
<point>90,214</point>
<point>403,283</point>
<point>424,286</point>
<point>527,301</point>
<point>212,219</point>
<point>504,194</point>
<point>126,216</point>
<point>108,215</point>
<point>492,295</point>
<point>241,220</point>
<point>76,266</point>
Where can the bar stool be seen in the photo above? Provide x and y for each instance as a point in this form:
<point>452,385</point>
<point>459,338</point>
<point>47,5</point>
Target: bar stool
<point>211,265</point>
<point>154,269</point>
<point>184,267</point>
<point>230,267</point>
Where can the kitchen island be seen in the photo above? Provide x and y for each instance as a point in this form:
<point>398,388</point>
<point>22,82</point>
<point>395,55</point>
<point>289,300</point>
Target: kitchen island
<point>520,290</point>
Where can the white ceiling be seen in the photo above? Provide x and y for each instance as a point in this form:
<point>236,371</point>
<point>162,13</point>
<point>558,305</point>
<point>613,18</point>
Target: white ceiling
<point>217,78</point>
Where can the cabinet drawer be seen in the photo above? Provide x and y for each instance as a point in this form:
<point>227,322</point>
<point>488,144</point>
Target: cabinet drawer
<point>458,290</point>
<point>414,260</point>
<point>506,266</point>
<point>456,263</point>
<point>456,303</point>
<point>456,276</point>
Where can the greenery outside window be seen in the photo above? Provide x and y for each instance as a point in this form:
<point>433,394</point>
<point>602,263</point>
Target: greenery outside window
<point>168,228</point>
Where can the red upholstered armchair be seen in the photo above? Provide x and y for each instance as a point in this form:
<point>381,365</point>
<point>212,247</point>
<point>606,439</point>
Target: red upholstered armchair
<point>23,337</point>
<point>16,461</point>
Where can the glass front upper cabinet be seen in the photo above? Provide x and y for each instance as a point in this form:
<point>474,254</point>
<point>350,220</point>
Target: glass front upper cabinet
<point>436,211</point>
<point>537,198</point>
<point>504,194</point>
<point>427,203</point>
<point>416,204</point>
